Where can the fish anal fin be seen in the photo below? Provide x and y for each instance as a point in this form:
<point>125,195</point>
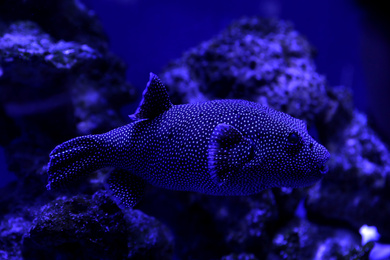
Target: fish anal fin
<point>126,187</point>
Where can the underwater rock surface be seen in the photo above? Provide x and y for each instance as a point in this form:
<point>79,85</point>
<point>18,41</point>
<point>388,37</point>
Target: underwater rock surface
<point>67,20</point>
<point>12,230</point>
<point>53,87</point>
<point>95,228</point>
<point>209,227</point>
<point>260,60</point>
<point>357,188</point>
<point>81,87</point>
<point>301,239</point>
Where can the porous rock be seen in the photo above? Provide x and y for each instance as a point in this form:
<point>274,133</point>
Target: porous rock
<point>358,182</point>
<point>209,227</point>
<point>260,60</point>
<point>84,227</point>
<point>12,229</point>
<point>54,89</point>
<point>301,239</point>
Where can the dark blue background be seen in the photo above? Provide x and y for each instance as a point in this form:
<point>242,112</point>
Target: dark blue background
<point>147,34</point>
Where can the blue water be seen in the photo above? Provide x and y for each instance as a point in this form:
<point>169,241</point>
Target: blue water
<point>148,34</point>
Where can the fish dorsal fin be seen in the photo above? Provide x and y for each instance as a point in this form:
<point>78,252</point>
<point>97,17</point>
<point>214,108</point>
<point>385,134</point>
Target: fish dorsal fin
<point>228,151</point>
<point>155,100</point>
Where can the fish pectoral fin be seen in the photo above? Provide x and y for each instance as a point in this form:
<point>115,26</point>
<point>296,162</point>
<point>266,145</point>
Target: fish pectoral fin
<point>127,187</point>
<point>228,151</point>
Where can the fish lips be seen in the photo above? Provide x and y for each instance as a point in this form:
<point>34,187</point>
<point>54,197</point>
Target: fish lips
<point>322,166</point>
<point>323,169</point>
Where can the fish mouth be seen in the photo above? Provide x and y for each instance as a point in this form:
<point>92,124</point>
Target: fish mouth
<point>318,170</point>
<point>322,166</point>
<point>323,169</point>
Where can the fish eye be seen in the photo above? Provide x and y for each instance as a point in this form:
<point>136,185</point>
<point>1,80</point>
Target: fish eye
<point>293,138</point>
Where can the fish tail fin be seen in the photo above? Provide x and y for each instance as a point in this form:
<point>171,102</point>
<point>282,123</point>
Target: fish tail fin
<point>75,158</point>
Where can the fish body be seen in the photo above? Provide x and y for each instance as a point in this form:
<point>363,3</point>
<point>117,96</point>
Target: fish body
<point>221,147</point>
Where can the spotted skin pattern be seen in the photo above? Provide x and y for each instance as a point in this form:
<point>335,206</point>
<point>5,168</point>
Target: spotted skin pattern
<point>221,147</point>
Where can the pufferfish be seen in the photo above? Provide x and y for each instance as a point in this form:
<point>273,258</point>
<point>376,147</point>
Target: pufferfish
<point>220,147</point>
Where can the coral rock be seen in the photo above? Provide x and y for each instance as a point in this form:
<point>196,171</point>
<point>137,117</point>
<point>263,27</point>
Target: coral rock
<point>95,228</point>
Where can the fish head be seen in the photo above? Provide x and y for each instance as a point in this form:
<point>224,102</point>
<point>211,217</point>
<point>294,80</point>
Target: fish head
<point>263,148</point>
<point>285,155</point>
